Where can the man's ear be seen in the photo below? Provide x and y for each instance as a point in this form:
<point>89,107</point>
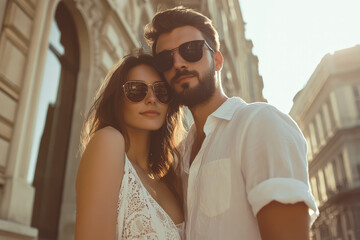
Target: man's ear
<point>218,59</point>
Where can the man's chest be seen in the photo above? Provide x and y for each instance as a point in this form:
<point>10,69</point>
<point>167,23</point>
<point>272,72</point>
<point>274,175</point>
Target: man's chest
<point>195,148</point>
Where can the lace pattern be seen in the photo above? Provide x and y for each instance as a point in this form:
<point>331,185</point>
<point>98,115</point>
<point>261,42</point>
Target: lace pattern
<point>139,215</point>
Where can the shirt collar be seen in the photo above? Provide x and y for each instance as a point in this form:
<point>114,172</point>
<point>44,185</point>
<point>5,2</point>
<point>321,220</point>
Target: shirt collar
<point>227,109</point>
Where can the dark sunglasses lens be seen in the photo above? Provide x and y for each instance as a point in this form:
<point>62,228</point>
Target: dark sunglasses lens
<point>135,91</point>
<point>162,92</point>
<point>192,51</point>
<point>163,61</point>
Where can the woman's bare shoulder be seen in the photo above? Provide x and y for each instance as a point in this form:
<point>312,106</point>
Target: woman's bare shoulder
<point>104,154</point>
<point>107,140</point>
<point>108,134</point>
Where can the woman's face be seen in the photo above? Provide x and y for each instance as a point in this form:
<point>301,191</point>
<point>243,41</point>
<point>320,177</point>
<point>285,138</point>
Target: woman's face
<point>148,114</point>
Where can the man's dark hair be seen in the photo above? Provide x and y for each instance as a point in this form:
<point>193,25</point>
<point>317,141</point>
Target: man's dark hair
<point>166,21</point>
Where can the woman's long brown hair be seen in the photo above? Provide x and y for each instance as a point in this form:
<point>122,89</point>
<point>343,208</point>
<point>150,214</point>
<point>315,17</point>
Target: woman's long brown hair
<point>107,111</point>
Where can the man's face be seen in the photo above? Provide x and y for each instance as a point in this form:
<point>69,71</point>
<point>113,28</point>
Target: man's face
<point>192,82</point>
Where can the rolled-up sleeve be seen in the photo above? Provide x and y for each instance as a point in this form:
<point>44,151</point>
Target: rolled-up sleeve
<point>284,190</point>
<point>274,161</point>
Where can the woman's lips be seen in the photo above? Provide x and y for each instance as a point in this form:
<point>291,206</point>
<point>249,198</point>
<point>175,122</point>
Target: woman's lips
<point>150,113</point>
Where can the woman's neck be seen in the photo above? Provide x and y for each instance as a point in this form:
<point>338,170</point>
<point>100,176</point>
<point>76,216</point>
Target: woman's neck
<point>139,147</point>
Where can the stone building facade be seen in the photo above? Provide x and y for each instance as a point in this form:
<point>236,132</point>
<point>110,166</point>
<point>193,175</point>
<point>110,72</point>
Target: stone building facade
<point>62,49</point>
<point>327,110</point>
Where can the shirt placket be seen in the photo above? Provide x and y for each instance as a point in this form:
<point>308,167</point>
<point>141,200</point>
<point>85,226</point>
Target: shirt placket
<point>194,170</point>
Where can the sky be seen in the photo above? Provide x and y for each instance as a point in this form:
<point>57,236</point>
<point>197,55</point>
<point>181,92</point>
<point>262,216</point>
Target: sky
<point>291,37</point>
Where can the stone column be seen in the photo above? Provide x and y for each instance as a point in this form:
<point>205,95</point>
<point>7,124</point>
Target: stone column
<point>23,46</point>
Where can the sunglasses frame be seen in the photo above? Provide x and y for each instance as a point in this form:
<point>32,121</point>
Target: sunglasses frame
<point>171,51</point>
<point>151,85</point>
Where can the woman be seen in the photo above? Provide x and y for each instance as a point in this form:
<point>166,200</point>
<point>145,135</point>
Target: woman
<point>126,184</point>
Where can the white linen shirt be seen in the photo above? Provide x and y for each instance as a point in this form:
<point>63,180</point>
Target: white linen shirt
<point>252,154</point>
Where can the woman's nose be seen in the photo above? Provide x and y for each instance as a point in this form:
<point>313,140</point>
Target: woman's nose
<point>150,96</point>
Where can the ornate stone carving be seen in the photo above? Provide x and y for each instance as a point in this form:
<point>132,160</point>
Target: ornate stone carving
<point>94,15</point>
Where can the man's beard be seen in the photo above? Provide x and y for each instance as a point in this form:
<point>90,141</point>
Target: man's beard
<point>198,94</point>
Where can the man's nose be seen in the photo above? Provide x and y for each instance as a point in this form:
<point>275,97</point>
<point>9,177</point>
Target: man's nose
<point>179,61</point>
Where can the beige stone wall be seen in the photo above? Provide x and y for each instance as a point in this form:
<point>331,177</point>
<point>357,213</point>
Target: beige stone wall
<point>240,75</point>
<point>20,51</point>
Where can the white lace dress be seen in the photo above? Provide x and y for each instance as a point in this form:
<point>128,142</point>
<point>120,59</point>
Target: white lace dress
<point>139,215</point>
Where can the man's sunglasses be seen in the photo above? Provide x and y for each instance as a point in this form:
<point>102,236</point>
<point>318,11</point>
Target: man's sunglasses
<point>190,51</point>
<point>136,90</point>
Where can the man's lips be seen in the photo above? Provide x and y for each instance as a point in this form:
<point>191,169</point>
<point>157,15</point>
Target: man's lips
<point>183,75</point>
<point>150,113</point>
<point>183,78</point>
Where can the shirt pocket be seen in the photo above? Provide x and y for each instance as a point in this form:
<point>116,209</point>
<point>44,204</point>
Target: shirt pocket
<point>215,187</point>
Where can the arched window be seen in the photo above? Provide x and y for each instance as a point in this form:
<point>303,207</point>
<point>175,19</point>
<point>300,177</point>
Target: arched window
<point>48,94</point>
<point>55,113</point>
<point>2,12</point>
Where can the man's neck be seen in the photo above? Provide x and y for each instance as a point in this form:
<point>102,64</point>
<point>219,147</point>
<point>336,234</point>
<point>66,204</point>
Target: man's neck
<point>200,112</point>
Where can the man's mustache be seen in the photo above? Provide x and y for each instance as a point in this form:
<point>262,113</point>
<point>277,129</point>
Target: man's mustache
<point>182,73</point>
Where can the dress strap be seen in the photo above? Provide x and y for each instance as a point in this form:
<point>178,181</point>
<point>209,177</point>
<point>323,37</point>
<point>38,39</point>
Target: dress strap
<point>126,164</point>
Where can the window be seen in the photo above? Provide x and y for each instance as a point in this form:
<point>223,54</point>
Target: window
<point>322,186</point>
<point>323,124</point>
<point>349,223</point>
<point>330,177</point>
<point>348,220</point>
<point>314,189</point>
<point>341,174</point>
<point>320,129</point>
<point>326,119</point>
<point>48,93</point>
<point>309,150</point>
<point>332,116</point>
<point>324,232</point>
<point>52,154</point>
<point>336,176</point>
<point>356,91</point>
<point>339,230</point>
<point>313,138</point>
<point>2,12</point>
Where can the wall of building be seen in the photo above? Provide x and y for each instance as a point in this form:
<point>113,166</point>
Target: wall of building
<point>328,112</point>
<point>22,29</point>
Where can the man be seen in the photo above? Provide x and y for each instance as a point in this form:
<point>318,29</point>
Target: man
<point>245,168</point>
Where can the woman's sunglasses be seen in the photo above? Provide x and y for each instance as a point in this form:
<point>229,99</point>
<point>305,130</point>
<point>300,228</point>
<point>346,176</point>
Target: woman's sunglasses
<point>136,90</point>
<point>190,51</point>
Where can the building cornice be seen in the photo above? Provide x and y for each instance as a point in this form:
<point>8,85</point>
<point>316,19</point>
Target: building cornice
<point>331,65</point>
